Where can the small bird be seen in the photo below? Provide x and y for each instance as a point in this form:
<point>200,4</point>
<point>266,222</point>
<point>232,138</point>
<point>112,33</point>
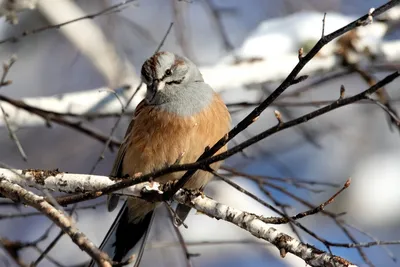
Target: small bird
<point>179,118</point>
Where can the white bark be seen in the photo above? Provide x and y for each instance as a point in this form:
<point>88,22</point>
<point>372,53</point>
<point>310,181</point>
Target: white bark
<point>251,223</point>
<point>59,218</point>
<point>78,183</point>
<point>69,183</point>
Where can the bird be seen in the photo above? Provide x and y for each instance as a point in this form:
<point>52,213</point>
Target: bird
<point>179,118</point>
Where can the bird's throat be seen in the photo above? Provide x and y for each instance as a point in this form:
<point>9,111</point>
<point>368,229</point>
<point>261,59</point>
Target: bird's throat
<point>186,101</point>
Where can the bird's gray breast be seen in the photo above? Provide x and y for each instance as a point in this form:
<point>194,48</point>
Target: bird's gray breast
<point>184,100</point>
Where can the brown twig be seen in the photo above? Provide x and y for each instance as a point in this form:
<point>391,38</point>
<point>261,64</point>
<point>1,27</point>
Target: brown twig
<point>13,135</point>
<point>323,26</point>
<point>182,241</point>
<point>288,180</point>
<point>31,214</point>
<point>3,82</point>
<point>112,9</point>
<point>383,101</point>
<point>284,219</point>
<point>384,247</point>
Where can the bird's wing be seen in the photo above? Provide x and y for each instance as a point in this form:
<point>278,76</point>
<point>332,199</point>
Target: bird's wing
<point>112,200</point>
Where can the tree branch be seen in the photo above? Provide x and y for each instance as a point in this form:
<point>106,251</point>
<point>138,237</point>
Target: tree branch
<point>255,226</point>
<point>17,193</point>
<point>290,80</point>
<point>247,221</point>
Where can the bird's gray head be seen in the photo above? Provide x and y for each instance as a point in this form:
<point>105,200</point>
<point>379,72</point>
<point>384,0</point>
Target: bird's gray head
<point>168,72</point>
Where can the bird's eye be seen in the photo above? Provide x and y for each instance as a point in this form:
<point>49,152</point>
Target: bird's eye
<point>168,72</point>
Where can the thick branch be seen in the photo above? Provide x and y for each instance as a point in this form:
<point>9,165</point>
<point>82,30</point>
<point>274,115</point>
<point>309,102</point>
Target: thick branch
<point>18,193</point>
<point>251,223</point>
<point>70,183</point>
<point>85,183</point>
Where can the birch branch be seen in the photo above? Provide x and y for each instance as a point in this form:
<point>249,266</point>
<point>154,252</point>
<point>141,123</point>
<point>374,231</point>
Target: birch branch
<point>252,224</point>
<point>16,192</point>
<point>78,183</point>
<point>69,182</point>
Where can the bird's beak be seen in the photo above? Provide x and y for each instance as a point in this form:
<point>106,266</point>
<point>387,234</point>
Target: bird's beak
<point>153,88</point>
<point>159,85</point>
<point>151,92</point>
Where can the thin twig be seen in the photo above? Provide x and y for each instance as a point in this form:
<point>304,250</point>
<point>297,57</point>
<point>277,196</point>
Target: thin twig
<point>323,26</point>
<point>182,241</point>
<point>292,181</point>
<point>390,112</point>
<point>15,191</point>
<point>204,163</point>
<point>13,135</point>
<point>31,214</point>
<point>284,219</point>
<point>49,247</point>
<point>49,116</point>
<point>6,68</point>
<point>112,9</point>
<point>390,253</point>
<point>291,78</point>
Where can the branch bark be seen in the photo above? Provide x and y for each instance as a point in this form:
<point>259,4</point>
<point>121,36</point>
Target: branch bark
<point>76,183</point>
<point>17,193</point>
<point>251,223</point>
<point>54,180</point>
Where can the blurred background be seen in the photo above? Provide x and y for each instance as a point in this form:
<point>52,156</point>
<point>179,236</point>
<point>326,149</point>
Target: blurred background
<point>244,49</point>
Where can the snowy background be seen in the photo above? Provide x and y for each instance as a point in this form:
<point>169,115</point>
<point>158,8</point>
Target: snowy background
<point>354,141</point>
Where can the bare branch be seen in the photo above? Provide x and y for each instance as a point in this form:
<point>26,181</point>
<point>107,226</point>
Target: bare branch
<point>251,223</point>
<point>247,221</point>
<point>249,119</point>
<point>18,193</point>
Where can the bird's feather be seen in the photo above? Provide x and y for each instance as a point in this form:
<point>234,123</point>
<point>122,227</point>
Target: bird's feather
<point>118,246</point>
<point>112,200</point>
<point>176,125</point>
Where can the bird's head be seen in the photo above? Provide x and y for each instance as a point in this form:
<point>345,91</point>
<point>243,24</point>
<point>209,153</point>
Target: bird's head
<point>167,71</point>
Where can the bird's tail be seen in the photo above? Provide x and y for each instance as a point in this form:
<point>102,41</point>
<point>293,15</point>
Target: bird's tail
<point>126,238</point>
